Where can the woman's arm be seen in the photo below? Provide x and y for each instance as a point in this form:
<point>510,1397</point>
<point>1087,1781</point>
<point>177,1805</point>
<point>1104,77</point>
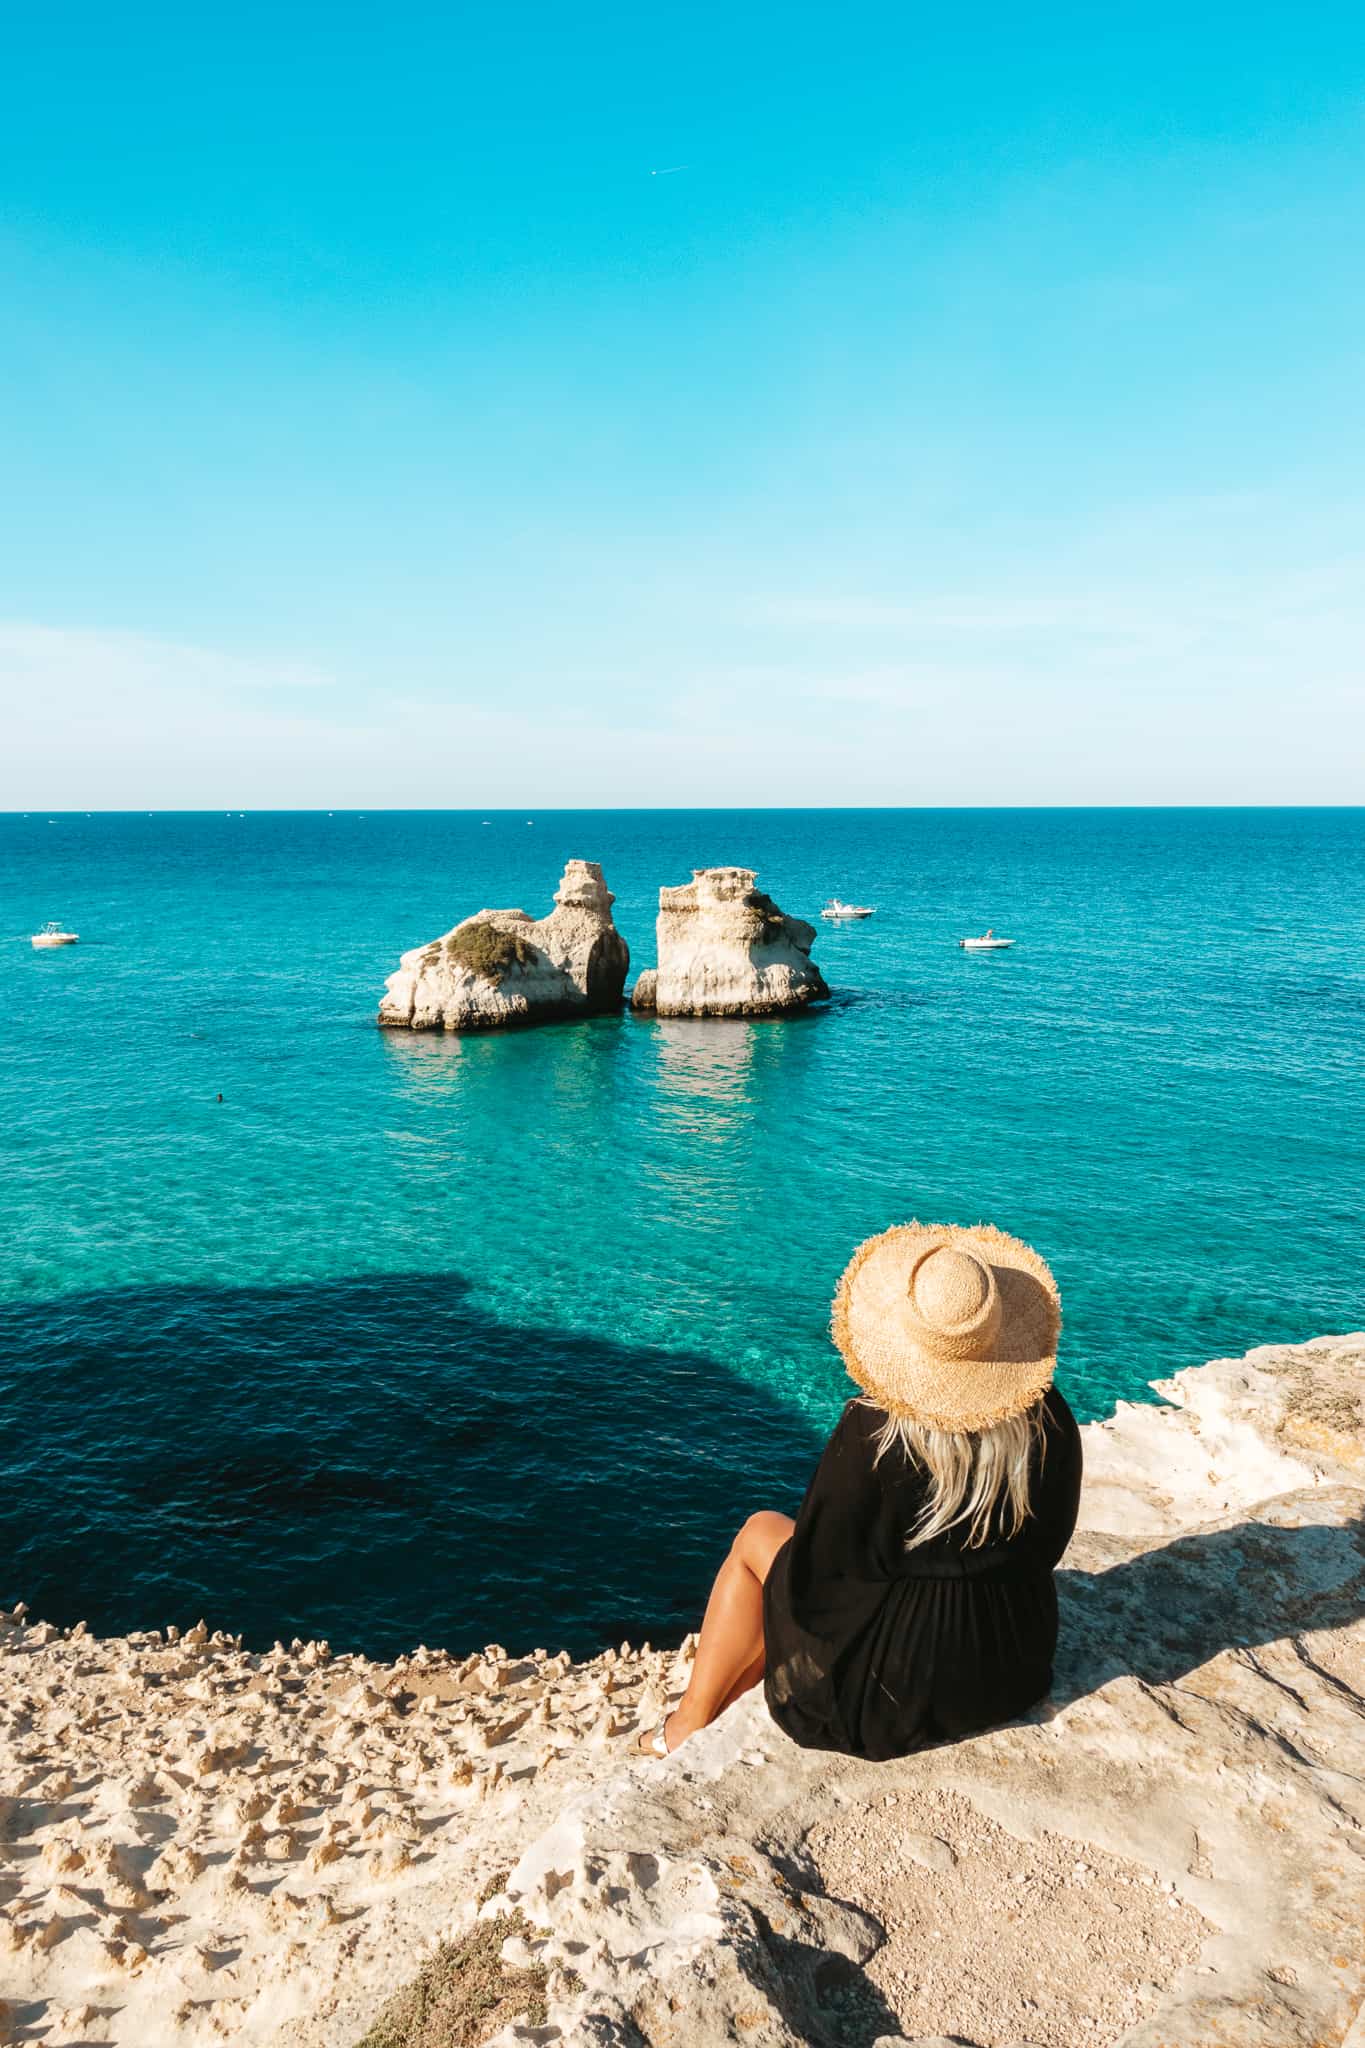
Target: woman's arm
<point>1059,1495</point>
<point>839,1532</point>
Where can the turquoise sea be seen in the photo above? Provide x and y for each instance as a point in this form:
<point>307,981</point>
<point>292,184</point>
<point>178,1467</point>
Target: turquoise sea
<point>413,1338</point>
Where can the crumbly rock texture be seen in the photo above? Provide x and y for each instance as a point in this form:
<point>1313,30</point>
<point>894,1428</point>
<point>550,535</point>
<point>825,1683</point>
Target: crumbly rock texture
<point>203,1845</point>
<point>726,950</point>
<point>501,967</point>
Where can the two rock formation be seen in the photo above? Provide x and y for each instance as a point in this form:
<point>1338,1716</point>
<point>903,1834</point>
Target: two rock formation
<point>502,967</point>
<point>725,950</point>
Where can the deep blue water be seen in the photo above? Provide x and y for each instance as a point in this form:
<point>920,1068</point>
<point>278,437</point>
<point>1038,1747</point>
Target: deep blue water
<point>461,1340</point>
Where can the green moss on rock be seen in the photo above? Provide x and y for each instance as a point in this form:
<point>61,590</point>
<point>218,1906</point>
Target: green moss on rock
<point>484,949</point>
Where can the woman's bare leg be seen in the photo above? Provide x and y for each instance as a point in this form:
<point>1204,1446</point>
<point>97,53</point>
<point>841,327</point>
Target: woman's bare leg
<point>750,1677</point>
<point>730,1649</point>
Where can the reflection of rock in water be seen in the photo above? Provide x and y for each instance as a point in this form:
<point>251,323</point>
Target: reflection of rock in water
<point>427,1059</point>
<point>491,1090</point>
<point>711,1058</point>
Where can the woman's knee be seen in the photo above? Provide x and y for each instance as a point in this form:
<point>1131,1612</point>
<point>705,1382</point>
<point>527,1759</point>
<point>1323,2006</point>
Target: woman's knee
<point>760,1538</point>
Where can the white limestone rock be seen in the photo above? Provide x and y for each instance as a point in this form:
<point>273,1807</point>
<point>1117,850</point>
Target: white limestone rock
<point>501,967</point>
<point>726,950</point>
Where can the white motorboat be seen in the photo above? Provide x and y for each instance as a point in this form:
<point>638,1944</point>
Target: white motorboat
<point>987,943</point>
<point>839,912</point>
<point>53,935</point>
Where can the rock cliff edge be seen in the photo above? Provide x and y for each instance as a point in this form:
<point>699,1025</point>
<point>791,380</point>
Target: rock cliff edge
<point>1170,1853</point>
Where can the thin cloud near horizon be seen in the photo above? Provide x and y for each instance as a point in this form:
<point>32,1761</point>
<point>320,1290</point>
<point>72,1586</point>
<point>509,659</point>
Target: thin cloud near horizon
<point>116,719</point>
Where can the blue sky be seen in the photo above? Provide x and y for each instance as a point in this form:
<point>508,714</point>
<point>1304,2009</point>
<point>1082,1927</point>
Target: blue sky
<point>977,418</point>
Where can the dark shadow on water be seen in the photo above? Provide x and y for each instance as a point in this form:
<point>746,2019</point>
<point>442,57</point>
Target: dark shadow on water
<point>380,1461</point>
<point>376,1460</point>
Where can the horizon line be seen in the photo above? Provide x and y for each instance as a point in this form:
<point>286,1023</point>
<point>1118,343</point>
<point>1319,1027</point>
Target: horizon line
<point>619,810</point>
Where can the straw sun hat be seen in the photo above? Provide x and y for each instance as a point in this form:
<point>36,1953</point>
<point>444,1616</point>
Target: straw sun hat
<point>956,1329</point>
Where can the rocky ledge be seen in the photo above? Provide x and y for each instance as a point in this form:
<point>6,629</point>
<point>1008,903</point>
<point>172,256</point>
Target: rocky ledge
<point>501,967</point>
<point>1169,1854</point>
<point>726,950</point>
<point>200,1845</point>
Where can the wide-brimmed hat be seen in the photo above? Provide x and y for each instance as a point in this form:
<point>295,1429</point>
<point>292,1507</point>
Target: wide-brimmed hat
<point>956,1329</point>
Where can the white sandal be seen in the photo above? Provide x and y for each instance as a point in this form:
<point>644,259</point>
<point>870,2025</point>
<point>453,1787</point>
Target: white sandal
<point>657,1743</point>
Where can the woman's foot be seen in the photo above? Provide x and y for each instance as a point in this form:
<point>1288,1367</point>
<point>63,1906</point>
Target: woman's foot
<point>671,1732</point>
<point>655,1742</point>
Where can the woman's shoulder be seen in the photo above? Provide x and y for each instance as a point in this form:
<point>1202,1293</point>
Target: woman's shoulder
<point>861,1422</point>
<point>853,1439</point>
<point>1062,1433</point>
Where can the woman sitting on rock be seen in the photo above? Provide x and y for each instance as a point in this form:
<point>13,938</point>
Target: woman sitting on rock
<point>912,1600</point>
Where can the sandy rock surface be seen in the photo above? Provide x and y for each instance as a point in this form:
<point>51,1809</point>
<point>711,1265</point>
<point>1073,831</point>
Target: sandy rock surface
<point>200,1845</point>
<point>571,963</point>
<point>726,950</point>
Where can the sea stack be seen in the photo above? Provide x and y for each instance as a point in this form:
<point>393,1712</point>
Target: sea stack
<point>501,967</point>
<point>726,950</point>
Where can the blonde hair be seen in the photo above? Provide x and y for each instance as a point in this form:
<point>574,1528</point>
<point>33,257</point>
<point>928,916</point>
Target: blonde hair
<point>970,1473</point>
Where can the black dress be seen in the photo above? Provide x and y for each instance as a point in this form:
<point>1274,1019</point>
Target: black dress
<point>877,1650</point>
